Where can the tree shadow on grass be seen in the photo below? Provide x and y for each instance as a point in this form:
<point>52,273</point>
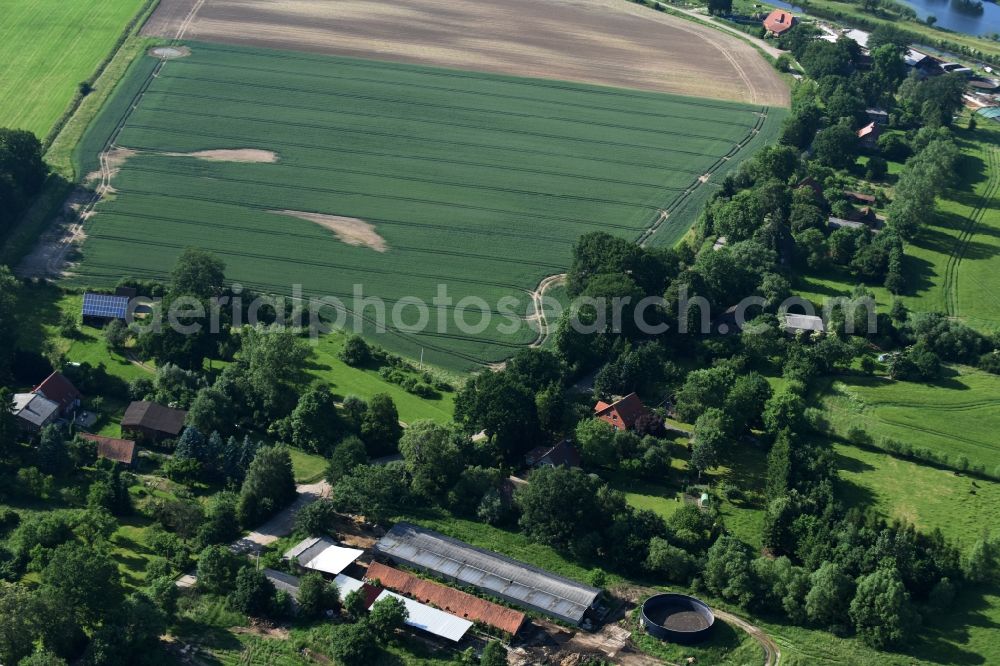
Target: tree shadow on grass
<point>853,465</point>
<point>945,634</point>
<point>918,272</point>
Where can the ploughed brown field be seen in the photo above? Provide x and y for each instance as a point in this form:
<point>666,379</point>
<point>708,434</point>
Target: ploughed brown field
<point>606,42</point>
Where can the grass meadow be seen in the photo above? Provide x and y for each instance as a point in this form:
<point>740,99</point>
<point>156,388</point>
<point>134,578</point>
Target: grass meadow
<point>47,48</point>
<point>477,181</point>
<point>956,416</point>
<point>928,497</point>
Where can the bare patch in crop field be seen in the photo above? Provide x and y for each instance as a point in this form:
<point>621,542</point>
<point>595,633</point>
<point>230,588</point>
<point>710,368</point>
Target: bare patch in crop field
<point>607,42</point>
<point>169,52</point>
<point>349,230</point>
<point>114,159</point>
<point>252,155</point>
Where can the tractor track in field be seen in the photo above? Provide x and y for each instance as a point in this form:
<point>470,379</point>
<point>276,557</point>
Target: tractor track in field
<point>664,213</point>
<point>950,284</point>
<point>538,306</point>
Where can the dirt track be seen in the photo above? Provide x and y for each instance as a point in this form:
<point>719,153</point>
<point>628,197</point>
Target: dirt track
<point>608,42</point>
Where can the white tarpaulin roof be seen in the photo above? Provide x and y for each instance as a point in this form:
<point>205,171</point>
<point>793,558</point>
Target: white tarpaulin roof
<point>322,554</point>
<point>431,620</point>
<point>346,585</point>
<point>421,616</point>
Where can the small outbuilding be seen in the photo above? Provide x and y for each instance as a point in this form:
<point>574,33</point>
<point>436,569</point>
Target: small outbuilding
<point>121,451</point>
<point>840,223</point>
<point>153,422</point>
<point>34,411</point>
<point>796,323</point>
<point>99,309</point>
<point>622,414</point>
<point>860,197</point>
<point>323,555</point>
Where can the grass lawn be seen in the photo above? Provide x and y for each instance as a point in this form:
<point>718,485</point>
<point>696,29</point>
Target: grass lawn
<point>928,497</point>
<point>40,309</point>
<point>743,473</point>
<point>307,467</point>
<point>345,380</point>
<point>47,48</point>
<point>957,416</point>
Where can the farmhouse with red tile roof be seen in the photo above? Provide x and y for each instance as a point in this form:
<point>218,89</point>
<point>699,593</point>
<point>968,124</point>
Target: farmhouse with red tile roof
<point>622,414</point>
<point>61,391</point>
<point>779,21</point>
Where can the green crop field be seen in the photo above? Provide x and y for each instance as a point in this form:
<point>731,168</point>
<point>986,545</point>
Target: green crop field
<point>474,181</point>
<point>47,48</point>
<point>958,416</point>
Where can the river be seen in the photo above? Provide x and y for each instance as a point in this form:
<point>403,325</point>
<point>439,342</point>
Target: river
<point>948,13</point>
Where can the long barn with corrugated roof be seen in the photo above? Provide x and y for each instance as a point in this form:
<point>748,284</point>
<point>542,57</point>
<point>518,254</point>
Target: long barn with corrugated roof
<point>503,577</point>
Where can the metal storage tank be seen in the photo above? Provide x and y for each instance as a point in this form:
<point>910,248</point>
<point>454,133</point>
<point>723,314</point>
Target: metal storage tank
<point>677,618</point>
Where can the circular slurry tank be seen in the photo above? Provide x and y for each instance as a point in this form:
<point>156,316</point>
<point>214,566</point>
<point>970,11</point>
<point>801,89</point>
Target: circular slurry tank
<point>677,618</point>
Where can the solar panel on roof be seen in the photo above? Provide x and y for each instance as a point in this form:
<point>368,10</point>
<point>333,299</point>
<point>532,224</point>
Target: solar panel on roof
<point>105,306</point>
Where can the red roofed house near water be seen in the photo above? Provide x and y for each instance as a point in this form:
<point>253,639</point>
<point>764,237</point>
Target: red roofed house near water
<point>779,21</point>
<point>620,415</point>
<point>61,391</point>
<point>456,602</point>
<point>109,448</point>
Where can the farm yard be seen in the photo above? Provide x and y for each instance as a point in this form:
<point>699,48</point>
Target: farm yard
<point>334,172</point>
<point>47,48</point>
<point>607,42</point>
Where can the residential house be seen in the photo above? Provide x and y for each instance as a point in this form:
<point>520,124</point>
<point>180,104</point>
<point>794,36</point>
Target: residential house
<point>869,134</point>
<point>60,390</point>
<point>563,454</point>
<point>153,422</point>
<point>779,22</point>
<point>621,415</point>
<point>122,451</point>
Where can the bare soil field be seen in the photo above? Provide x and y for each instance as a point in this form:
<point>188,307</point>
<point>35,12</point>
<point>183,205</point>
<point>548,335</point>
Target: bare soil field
<point>605,42</point>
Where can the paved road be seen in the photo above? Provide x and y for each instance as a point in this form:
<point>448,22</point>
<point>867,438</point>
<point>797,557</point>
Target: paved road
<point>281,524</point>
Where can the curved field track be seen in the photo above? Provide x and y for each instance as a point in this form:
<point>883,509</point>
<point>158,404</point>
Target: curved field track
<point>606,42</point>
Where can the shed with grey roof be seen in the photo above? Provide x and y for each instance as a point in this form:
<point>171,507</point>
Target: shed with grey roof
<point>793,323</point>
<point>34,411</point>
<point>490,572</point>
